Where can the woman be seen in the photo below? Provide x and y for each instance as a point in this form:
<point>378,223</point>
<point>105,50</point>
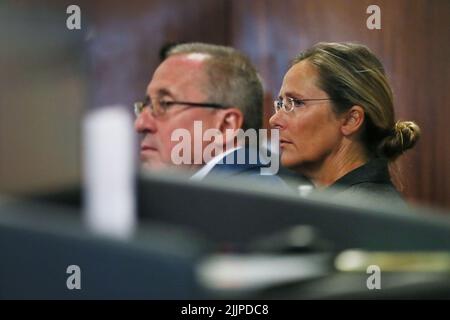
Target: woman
<point>336,119</point>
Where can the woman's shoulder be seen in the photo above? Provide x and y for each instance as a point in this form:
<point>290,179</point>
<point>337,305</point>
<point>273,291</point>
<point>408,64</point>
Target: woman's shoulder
<point>372,179</point>
<point>385,189</point>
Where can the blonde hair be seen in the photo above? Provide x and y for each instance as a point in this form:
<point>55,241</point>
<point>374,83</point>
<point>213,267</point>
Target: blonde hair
<point>352,75</point>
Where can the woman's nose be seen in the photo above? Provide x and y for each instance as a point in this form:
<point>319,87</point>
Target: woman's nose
<point>276,121</point>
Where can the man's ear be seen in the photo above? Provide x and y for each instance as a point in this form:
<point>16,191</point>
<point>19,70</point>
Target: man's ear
<point>231,119</point>
<point>353,120</point>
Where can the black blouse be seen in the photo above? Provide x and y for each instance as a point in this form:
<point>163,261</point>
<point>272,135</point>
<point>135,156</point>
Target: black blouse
<point>371,179</point>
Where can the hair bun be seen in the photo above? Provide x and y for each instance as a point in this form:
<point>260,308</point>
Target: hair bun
<point>405,135</point>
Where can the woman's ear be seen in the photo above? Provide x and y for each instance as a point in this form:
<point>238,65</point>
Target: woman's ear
<point>352,121</point>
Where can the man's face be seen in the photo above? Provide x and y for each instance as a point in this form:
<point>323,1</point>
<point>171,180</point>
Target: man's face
<point>178,78</point>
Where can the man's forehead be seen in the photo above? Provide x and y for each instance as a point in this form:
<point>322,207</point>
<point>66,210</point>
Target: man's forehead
<point>177,69</point>
<point>196,56</point>
<point>188,59</point>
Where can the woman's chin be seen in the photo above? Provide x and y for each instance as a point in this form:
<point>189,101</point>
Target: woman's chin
<point>289,162</point>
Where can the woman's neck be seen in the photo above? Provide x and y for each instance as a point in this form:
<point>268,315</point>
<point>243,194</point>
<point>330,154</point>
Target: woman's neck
<point>336,165</point>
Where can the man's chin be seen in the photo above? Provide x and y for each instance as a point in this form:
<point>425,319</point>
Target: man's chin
<point>158,167</point>
<point>154,165</point>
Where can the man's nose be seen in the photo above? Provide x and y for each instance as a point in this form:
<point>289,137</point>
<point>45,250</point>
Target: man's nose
<point>145,122</point>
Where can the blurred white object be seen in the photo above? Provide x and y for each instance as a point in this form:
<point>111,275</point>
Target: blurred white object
<point>109,165</point>
<point>304,190</point>
<point>259,271</point>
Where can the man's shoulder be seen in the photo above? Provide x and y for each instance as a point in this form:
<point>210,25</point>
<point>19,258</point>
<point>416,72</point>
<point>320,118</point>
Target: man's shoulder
<point>250,174</point>
<point>244,161</point>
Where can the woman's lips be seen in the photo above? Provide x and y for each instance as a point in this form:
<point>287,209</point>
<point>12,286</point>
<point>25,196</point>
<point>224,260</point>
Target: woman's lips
<point>284,142</point>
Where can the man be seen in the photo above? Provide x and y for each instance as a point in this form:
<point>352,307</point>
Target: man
<point>202,87</point>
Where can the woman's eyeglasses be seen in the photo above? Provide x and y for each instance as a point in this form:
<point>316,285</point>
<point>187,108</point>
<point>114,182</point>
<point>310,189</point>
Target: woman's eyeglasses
<point>292,103</point>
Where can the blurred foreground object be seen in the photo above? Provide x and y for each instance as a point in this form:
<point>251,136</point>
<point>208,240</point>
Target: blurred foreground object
<point>109,171</point>
<point>39,242</point>
<point>43,85</point>
<point>254,243</point>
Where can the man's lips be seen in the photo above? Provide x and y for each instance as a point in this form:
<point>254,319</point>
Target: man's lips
<point>147,152</point>
<point>147,148</point>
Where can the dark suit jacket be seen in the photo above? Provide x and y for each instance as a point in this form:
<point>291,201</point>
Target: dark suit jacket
<point>371,179</point>
<point>233,166</point>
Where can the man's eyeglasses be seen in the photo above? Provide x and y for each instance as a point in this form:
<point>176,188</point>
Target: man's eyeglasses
<point>159,106</point>
<point>292,103</point>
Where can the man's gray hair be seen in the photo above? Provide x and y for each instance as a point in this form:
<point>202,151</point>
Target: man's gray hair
<point>233,80</point>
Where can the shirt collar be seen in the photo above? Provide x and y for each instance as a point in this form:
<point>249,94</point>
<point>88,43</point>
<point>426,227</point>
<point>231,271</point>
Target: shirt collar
<point>201,174</point>
<point>375,170</point>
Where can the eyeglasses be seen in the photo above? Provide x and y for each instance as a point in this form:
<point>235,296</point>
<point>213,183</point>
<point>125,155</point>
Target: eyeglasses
<point>292,103</point>
<point>159,107</point>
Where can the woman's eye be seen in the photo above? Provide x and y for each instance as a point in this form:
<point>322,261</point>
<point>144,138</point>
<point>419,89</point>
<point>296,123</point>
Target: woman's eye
<point>297,102</point>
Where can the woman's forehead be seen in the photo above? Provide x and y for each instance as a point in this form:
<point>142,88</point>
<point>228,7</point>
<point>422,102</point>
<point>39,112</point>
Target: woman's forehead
<point>300,77</point>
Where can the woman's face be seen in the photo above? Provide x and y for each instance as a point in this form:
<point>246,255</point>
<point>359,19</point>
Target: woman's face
<point>310,133</point>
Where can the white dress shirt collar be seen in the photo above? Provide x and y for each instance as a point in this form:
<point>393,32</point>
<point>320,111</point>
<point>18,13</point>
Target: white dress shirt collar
<point>201,174</point>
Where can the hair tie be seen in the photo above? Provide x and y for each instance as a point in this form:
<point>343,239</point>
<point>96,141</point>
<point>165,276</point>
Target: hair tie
<point>398,128</point>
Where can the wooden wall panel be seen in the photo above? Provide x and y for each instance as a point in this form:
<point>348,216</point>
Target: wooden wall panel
<point>47,95</point>
<point>127,37</point>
